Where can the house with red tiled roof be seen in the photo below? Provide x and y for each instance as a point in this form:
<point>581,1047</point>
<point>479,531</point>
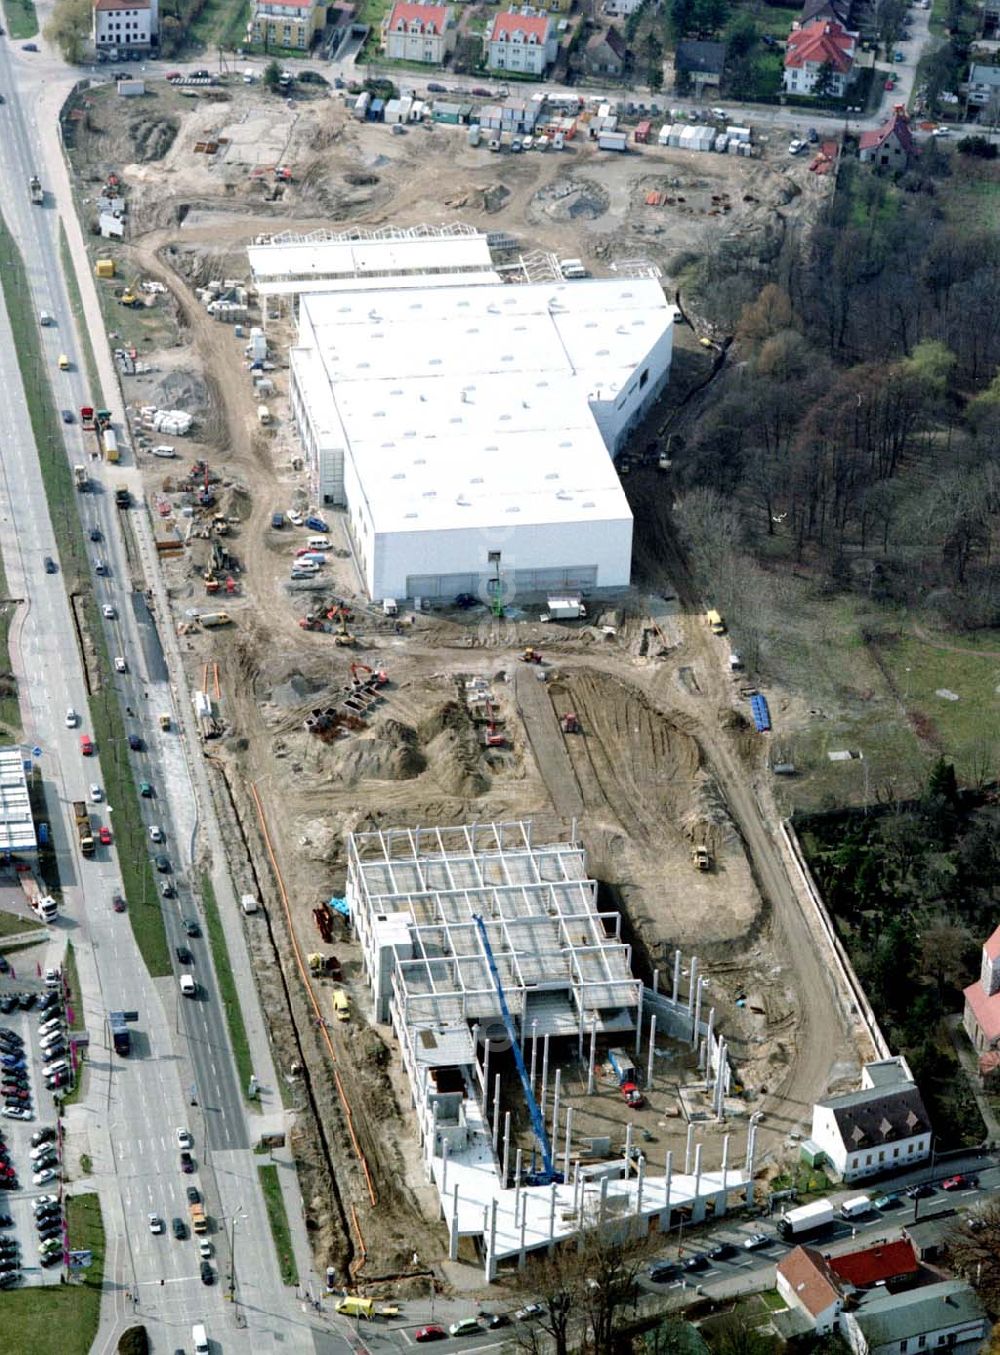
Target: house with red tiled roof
<point>891,145</point>
<point>807,1282</point>
<point>981,1017</point>
<point>888,1263</point>
<point>821,46</point>
<point>418,32</point>
<point>521,40</point>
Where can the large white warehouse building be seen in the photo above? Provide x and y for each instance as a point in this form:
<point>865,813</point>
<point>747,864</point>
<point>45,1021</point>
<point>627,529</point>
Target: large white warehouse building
<point>459,419</point>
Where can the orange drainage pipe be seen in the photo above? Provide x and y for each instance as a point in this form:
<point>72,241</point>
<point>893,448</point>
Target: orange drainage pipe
<point>304,973</point>
<point>215,670</point>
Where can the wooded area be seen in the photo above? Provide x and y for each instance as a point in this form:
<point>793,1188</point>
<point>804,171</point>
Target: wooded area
<point>853,431</point>
<point>914,890</point>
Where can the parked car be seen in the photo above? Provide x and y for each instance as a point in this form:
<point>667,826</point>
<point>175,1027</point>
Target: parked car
<point>529,1311</point>
<point>920,1192</point>
<point>756,1240</point>
<point>430,1333</point>
<point>960,1182</point>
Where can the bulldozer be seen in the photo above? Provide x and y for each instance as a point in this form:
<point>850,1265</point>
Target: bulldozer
<point>211,582</point>
<point>128,298</point>
<point>531,656</point>
<point>570,723</point>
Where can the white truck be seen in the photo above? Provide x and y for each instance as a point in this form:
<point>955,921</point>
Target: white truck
<point>856,1207</point>
<point>807,1220</point>
<point>564,609</point>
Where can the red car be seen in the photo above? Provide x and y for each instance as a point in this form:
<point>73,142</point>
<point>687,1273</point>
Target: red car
<point>105,835</point>
<point>118,904</point>
<point>430,1334</point>
<point>959,1183</point>
<point>890,84</point>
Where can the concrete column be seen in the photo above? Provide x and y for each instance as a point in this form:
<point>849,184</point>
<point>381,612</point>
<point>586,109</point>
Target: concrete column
<point>604,1202</point>
<point>506,1148</point>
<point>725,1155</point>
<point>667,1183</point>
<point>652,1050</point>
<point>698,1208</point>
<point>577,1189</point>
<point>628,1151</point>
<point>569,1140</point>
<point>687,1150</point>
<point>444,1166</point>
<point>593,1051</point>
<point>697,1014</point>
<point>703,1058</point>
<point>638,1190</point>
<point>692,983</point>
<point>534,1053</point>
<point>517,1182</point>
<point>453,1230</point>
<point>656,981</point>
<point>491,1262</point>
<point>496,1111</point>
<point>579,1052</point>
<point>638,1024</point>
<point>720,1083</point>
<point>486,1073</point>
<point>520,1254</point>
<point>545,1075</point>
<point>709,1036</point>
<point>434,1128</point>
<point>677,976</point>
<point>555,1110</point>
<point>552,1216</point>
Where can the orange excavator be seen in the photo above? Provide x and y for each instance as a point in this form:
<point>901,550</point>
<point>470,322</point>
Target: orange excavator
<point>494,737</point>
<point>378,676</point>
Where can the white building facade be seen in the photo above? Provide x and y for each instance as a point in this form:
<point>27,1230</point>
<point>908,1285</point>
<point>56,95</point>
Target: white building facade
<point>881,1128</point>
<point>523,41</point>
<point>468,426</point>
<point>125,25</point>
<point>417,32</point>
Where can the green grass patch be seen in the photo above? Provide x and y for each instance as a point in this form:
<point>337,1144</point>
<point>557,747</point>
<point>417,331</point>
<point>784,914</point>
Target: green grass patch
<point>805,1180</point>
<point>227,986</point>
<point>964,729</point>
<point>76,305</point>
<point>773,1301</point>
<point>776,20</point>
<point>220,24</point>
<point>73,985</point>
<point>108,725</point>
<point>22,21</point>
<point>12,925</point>
<point>278,1220</point>
<point>10,711</point>
<point>86,1165</point>
<point>70,1098</point>
<point>62,1317</point>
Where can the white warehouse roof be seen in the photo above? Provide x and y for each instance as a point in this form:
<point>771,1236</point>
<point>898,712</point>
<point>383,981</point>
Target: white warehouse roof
<point>478,406</point>
<point>17,826</point>
<point>398,253</point>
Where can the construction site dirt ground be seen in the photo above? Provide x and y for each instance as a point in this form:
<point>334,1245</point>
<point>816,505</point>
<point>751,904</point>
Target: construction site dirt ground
<point>665,758</point>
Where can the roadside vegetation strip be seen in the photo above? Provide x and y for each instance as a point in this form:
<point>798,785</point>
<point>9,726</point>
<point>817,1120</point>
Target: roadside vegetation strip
<point>22,21</point>
<point>73,996</point>
<point>76,303</point>
<point>108,724</point>
<point>13,925</point>
<point>61,1317</point>
<point>227,987</point>
<point>278,1219</point>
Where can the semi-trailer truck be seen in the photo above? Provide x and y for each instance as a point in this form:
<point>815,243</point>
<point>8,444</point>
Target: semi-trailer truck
<point>83,827</point>
<point>807,1220</point>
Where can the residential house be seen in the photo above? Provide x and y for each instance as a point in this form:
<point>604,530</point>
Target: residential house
<point>981,1017</point>
<point>883,1127</point>
<point>700,63</point>
<point>983,85</point>
<point>291,25</point>
<point>126,25</point>
<point>891,145</point>
<point>893,1264</point>
<point>928,1235</point>
<point>823,45</point>
<point>946,1316</point>
<point>807,1284</point>
<point>838,10</point>
<point>418,32</point>
<point>522,41</point>
<point>606,54</point>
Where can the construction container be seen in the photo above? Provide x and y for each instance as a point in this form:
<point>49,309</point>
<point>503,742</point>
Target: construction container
<point>664,136</point>
<point>474,135</point>
<point>361,105</point>
<point>105,268</point>
<point>612,141</point>
<point>642,132</point>
<point>738,133</point>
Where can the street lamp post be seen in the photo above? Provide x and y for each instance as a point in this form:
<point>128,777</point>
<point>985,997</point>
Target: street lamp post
<point>236,1216</point>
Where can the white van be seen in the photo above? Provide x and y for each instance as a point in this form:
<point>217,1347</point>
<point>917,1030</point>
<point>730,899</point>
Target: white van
<point>318,542</point>
<point>188,987</point>
<point>200,1338</point>
<point>572,268</point>
<point>855,1207</point>
<point>248,903</point>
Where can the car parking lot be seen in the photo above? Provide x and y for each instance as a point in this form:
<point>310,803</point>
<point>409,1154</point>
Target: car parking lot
<point>34,1064</point>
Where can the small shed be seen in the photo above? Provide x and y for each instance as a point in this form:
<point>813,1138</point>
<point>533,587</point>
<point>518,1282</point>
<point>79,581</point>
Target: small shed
<point>129,89</point>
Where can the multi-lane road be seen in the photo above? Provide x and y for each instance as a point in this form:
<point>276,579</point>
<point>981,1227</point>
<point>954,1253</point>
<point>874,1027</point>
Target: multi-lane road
<point>181,1052</point>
